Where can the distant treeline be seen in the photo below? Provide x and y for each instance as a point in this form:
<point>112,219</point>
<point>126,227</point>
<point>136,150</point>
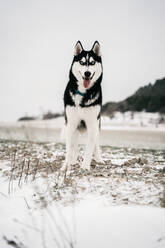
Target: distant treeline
<point>47,116</point>
<point>150,98</point>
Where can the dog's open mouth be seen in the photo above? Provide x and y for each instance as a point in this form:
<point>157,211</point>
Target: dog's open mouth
<point>87,81</point>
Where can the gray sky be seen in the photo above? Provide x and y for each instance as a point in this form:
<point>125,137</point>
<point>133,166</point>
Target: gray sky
<point>37,38</point>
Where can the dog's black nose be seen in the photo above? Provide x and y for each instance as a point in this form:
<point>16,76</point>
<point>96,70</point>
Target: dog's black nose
<point>87,74</point>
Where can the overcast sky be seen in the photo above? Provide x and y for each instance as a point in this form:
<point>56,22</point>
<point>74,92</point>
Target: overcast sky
<point>37,38</point>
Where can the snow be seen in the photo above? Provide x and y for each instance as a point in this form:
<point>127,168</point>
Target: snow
<point>134,120</point>
<point>88,223</point>
<point>129,176</point>
<point>127,120</point>
<point>112,205</point>
<point>141,132</point>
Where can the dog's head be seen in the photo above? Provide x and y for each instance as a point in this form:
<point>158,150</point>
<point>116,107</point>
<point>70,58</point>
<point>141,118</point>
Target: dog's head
<point>87,65</point>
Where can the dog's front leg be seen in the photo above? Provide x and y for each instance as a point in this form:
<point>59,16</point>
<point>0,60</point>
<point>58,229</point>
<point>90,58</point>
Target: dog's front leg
<point>97,154</point>
<point>91,142</point>
<point>70,132</point>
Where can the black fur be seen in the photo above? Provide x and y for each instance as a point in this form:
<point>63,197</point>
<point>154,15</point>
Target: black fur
<point>72,86</point>
<point>82,126</point>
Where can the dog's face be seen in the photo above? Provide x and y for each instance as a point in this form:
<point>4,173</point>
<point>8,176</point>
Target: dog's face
<point>87,65</point>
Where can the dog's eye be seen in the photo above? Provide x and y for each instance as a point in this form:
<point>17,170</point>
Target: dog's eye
<point>93,62</point>
<point>82,62</point>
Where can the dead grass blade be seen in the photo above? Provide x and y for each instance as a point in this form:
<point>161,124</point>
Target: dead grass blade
<point>13,162</point>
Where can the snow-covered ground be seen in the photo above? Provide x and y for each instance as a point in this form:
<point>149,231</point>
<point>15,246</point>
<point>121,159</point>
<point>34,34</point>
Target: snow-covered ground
<point>135,120</point>
<point>143,131</point>
<point>129,176</point>
<point>87,224</point>
<point>112,205</point>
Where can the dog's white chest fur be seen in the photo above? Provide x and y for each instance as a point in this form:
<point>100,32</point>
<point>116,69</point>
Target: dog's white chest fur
<point>77,99</point>
<point>77,113</point>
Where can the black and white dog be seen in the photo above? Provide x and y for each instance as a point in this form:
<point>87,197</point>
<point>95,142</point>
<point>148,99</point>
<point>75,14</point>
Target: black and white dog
<point>82,104</point>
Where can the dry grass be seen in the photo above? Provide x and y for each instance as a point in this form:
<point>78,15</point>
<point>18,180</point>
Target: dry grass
<point>136,171</point>
<point>129,176</point>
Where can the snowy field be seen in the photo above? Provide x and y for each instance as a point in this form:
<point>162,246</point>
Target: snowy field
<point>143,130</point>
<point>115,205</point>
<point>119,204</point>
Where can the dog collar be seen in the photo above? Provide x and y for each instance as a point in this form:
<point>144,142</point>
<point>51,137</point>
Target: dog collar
<point>79,93</point>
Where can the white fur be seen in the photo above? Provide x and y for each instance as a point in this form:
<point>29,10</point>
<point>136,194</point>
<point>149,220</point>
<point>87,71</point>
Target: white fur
<point>79,72</point>
<point>91,59</point>
<point>74,116</point>
<point>76,98</point>
<point>83,59</point>
<point>90,101</point>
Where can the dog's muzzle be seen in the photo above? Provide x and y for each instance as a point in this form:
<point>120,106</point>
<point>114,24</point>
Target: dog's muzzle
<point>87,79</point>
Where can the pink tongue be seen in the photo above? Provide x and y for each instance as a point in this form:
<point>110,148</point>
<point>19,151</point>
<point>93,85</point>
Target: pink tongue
<point>86,83</point>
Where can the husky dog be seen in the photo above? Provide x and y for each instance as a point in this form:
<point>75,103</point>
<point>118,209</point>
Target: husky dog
<point>82,104</point>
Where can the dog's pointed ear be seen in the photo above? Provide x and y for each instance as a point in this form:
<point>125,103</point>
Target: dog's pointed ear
<point>78,48</point>
<point>96,48</point>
